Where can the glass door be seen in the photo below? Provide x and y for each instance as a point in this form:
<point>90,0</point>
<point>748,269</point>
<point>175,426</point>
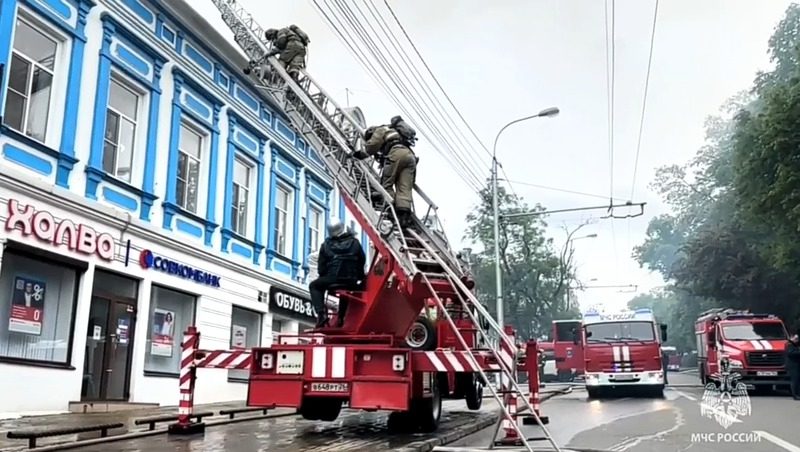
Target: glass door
<point>109,346</point>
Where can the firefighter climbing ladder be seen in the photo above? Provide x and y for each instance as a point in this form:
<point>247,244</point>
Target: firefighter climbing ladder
<point>332,131</point>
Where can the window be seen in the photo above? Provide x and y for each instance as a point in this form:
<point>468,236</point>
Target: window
<point>282,199</point>
<point>121,116</point>
<point>241,192</point>
<point>37,302</point>
<point>171,312</point>
<point>770,331</point>
<point>620,331</point>
<point>30,81</point>
<point>245,334</point>
<point>315,226</point>
<point>190,156</point>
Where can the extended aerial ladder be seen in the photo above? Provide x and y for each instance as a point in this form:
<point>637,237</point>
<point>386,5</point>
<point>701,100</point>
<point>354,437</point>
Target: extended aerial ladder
<point>412,266</point>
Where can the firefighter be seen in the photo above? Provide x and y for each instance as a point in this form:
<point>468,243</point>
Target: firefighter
<point>292,44</point>
<point>793,364</point>
<point>340,262</point>
<point>391,144</point>
<point>665,364</point>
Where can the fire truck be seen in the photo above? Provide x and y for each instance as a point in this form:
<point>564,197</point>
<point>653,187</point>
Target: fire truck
<point>623,350</point>
<point>368,363</point>
<point>568,349</point>
<point>753,343</point>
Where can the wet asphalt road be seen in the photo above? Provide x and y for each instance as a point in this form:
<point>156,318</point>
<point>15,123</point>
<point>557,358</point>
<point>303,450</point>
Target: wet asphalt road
<point>674,423</point>
<point>353,431</point>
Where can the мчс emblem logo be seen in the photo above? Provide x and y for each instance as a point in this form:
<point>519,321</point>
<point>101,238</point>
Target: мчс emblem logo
<point>726,402</point>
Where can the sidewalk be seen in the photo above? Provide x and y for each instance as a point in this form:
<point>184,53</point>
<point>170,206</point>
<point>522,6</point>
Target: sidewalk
<point>81,419</point>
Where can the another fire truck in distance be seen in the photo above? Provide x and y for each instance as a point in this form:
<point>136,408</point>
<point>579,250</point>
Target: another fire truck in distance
<point>623,350</point>
<point>753,343</point>
<point>568,349</point>
<point>673,358</point>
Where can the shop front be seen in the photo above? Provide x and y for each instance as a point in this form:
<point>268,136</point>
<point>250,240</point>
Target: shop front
<point>289,306</point>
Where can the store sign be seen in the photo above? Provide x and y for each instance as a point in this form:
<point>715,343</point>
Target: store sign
<point>290,304</point>
<point>149,260</point>
<point>77,237</point>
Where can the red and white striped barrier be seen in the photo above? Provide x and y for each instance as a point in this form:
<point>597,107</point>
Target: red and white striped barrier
<point>191,339</point>
<point>223,359</point>
<point>193,358</point>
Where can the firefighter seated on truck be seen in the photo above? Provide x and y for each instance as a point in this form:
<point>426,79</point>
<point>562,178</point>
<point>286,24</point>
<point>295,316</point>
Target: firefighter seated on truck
<point>340,263</point>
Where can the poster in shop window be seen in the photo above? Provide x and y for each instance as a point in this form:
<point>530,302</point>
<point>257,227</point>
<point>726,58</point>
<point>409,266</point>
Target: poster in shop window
<point>163,333</point>
<point>27,306</point>
<point>239,335</point>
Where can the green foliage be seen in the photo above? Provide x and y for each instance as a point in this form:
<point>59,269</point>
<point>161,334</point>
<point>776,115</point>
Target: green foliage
<point>731,236</point>
<point>535,277</point>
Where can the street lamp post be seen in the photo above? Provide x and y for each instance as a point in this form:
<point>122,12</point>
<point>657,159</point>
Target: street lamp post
<point>547,112</point>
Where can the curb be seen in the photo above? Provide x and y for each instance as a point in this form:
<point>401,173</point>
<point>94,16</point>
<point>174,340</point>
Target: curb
<point>483,421</point>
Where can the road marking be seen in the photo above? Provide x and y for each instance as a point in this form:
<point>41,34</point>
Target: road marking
<point>685,395</point>
<point>777,441</point>
<point>635,441</point>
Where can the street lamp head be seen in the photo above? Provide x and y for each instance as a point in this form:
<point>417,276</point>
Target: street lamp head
<point>592,236</point>
<point>549,112</point>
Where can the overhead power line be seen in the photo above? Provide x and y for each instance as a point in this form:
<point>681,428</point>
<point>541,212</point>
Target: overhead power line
<point>562,190</point>
<point>644,98</point>
<point>388,6</point>
<point>350,30</point>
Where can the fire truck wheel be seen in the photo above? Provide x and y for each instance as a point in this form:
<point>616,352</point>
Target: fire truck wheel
<point>474,393</point>
<point>593,393</point>
<point>399,422</point>
<point>422,335</point>
<point>426,412</point>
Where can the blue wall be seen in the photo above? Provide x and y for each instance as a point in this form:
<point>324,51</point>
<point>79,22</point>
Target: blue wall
<point>138,40</point>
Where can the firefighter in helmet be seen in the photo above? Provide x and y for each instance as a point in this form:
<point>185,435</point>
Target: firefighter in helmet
<point>391,145</point>
<point>291,43</point>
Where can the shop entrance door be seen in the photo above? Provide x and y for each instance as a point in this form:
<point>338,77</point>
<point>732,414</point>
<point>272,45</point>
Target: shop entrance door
<point>109,346</point>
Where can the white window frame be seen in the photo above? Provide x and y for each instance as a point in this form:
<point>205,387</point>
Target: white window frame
<point>289,214</point>
<point>315,230</point>
<point>60,73</point>
<point>205,147</point>
<point>140,124</point>
<point>249,221</point>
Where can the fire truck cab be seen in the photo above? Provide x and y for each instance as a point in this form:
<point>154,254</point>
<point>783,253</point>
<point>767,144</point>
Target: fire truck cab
<point>623,350</point>
<point>753,343</point>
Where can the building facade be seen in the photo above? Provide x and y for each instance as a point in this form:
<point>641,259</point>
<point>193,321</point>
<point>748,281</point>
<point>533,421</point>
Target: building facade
<point>145,186</point>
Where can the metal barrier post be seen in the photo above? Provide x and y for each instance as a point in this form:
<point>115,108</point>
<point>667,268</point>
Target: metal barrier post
<point>185,426</point>
<point>532,365</point>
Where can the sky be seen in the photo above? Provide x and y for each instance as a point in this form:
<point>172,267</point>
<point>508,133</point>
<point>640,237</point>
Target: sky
<point>506,59</point>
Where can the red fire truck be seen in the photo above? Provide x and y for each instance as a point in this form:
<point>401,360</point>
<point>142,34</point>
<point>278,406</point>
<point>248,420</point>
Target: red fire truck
<point>623,350</point>
<point>368,363</point>
<point>568,349</point>
<point>753,343</point>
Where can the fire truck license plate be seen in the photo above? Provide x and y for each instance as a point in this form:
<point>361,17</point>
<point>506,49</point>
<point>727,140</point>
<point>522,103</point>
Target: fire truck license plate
<point>767,373</point>
<point>329,387</point>
<point>623,377</point>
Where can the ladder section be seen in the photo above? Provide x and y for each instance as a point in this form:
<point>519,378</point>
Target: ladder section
<point>505,354</point>
<point>336,135</point>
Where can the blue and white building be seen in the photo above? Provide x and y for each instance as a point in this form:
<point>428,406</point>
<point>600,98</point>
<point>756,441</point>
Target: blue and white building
<point>145,185</point>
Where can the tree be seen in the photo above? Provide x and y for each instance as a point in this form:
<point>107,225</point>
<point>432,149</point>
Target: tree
<point>536,278</point>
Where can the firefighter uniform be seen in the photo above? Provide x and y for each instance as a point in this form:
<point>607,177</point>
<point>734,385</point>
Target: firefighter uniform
<point>290,43</point>
<point>398,167</point>
<point>793,365</point>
